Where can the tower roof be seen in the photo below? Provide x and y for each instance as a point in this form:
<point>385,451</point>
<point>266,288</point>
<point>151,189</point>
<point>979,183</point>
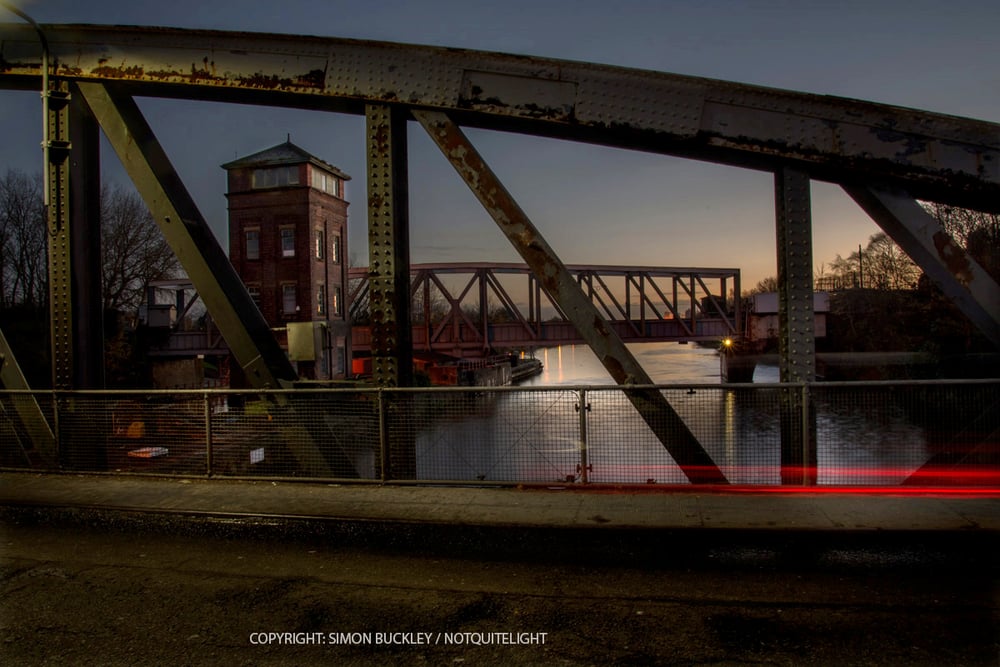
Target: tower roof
<point>286,153</point>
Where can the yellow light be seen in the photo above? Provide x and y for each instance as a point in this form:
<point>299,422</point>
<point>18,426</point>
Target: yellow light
<point>728,342</point>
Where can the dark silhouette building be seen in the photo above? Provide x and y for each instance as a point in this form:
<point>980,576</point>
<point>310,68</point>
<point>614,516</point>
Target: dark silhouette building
<point>288,242</point>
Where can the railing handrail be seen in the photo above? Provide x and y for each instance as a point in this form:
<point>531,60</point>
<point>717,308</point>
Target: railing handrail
<point>839,384</point>
<point>761,432</point>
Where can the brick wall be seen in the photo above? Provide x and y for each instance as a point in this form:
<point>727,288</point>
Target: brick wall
<point>304,210</point>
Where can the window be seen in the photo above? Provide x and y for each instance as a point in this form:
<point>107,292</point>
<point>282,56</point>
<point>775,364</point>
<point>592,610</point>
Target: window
<point>252,244</point>
<point>328,183</point>
<point>275,177</point>
<point>287,242</point>
<point>335,305</point>
<point>319,243</point>
<point>288,299</point>
<point>254,292</point>
<point>341,355</point>
<point>335,249</point>
<point>320,299</point>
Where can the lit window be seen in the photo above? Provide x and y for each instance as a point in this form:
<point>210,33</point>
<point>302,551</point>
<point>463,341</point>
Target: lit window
<point>325,182</point>
<point>321,299</point>
<point>319,243</point>
<point>253,244</point>
<point>287,242</point>
<point>335,249</point>
<point>288,299</point>
<point>335,305</point>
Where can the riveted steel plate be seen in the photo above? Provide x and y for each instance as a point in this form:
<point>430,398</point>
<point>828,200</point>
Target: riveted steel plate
<point>660,104</point>
<point>933,156</point>
<point>392,75</point>
<point>797,342</point>
<point>521,95</point>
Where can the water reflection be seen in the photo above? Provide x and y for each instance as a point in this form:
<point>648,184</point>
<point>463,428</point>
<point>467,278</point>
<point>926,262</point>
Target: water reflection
<point>536,436</point>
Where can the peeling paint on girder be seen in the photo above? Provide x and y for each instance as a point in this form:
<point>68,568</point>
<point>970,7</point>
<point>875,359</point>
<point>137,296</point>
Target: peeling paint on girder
<point>953,257</point>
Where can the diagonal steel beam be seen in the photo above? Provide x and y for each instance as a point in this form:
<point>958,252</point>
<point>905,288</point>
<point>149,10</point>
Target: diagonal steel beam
<point>247,334</point>
<point>508,303</point>
<point>671,430</point>
<point>183,227</point>
<point>671,304</point>
<point>25,408</point>
<point>923,238</point>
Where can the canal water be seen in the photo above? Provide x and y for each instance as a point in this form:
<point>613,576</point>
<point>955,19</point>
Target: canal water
<point>539,436</point>
<point>666,363</point>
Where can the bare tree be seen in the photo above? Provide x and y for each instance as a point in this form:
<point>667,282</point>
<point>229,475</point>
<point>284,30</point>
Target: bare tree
<point>887,267</point>
<point>133,250</point>
<point>764,285</point>
<point>23,266</point>
<point>881,265</point>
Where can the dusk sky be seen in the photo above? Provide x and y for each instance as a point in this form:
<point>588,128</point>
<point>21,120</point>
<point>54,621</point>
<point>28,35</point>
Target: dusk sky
<point>594,205</point>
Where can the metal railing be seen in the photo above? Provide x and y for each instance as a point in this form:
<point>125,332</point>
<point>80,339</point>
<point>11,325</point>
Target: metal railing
<point>917,434</point>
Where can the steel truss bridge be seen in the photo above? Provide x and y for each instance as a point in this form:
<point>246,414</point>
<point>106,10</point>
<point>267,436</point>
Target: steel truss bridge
<point>885,158</point>
<point>467,309</point>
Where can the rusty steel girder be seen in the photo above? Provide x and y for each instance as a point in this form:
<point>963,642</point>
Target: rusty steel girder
<point>646,313</point>
<point>566,292</point>
<point>934,156</point>
<point>388,247</point>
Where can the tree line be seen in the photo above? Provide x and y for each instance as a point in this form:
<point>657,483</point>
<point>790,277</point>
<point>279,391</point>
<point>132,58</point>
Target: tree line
<point>133,254</point>
<point>882,265</point>
<point>880,300</point>
<point>133,251</point>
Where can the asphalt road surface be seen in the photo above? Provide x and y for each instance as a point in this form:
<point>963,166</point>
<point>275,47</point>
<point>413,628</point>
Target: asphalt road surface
<point>111,588</point>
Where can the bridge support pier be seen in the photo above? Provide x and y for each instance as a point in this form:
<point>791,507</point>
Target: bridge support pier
<point>85,232</point>
<point>796,321</point>
<point>389,277</point>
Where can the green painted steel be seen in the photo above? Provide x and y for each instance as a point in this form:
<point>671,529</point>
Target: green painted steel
<point>25,409</point>
<point>206,264</point>
<point>57,212</point>
<point>388,247</point>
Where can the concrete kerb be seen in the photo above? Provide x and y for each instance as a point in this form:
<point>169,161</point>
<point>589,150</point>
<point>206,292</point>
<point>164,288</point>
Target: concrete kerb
<point>552,507</point>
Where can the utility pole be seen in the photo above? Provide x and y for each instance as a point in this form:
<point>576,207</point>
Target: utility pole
<point>861,270</point>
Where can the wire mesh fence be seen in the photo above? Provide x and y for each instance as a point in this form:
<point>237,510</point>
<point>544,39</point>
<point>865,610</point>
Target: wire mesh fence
<point>497,436</point>
<point>908,434</point>
<point>920,434</point>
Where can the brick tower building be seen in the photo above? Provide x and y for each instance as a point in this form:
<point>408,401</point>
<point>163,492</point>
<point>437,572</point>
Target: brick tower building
<point>288,242</point>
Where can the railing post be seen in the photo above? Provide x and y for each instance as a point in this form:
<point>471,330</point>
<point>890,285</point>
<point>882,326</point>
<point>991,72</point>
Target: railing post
<point>56,431</point>
<point>583,408</point>
<point>810,460</point>
<point>382,439</point>
<point>208,435</point>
